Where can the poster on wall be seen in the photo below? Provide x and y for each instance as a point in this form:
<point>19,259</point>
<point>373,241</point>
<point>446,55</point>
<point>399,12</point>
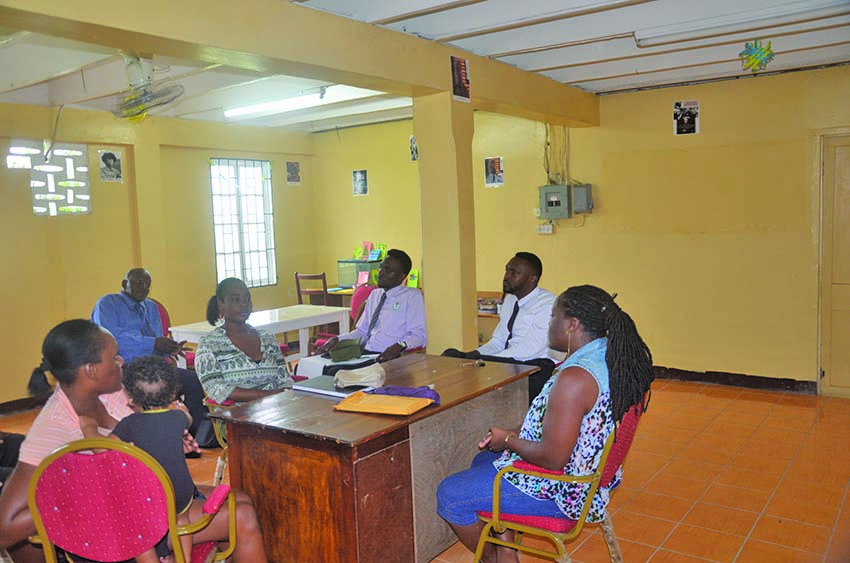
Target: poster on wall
<point>686,117</point>
<point>460,79</point>
<point>494,172</point>
<point>414,149</point>
<point>110,165</point>
<point>359,183</point>
<point>293,173</point>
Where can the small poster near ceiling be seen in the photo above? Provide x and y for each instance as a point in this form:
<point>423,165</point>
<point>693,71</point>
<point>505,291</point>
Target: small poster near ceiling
<point>494,172</point>
<point>686,117</point>
<point>359,183</point>
<point>293,173</point>
<point>460,79</point>
<point>110,165</point>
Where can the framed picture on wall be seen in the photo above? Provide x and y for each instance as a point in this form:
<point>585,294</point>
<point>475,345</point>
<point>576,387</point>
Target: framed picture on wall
<point>686,117</point>
<point>359,182</point>
<point>110,165</point>
<point>494,172</point>
<point>460,80</point>
<point>293,173</point>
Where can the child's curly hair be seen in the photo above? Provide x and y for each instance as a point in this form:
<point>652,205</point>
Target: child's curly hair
<point>151,382</point>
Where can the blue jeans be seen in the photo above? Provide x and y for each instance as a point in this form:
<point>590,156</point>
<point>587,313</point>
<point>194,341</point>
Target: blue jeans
<point>463,494</point>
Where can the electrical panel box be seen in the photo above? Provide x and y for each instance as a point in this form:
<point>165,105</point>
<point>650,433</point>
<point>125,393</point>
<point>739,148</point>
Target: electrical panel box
<point>582,198</point>
<point>554,202</point>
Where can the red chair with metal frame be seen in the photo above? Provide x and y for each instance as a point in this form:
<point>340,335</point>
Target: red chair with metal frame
<point>115,504</point>
<point>560,530</point>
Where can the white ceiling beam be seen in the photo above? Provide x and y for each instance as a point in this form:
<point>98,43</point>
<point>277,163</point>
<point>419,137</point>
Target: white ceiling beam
<point>25,64</point>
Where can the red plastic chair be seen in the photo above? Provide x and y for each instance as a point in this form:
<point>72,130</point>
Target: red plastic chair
<point>358,303</point>
<point>560,530</point>
<point>114,505</point>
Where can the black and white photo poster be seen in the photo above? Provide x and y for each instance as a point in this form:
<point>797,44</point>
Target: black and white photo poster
<point>686,117</point>
<point>110,165</point>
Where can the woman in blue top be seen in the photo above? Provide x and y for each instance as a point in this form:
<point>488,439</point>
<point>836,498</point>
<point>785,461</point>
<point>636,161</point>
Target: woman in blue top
<point>607,371</point>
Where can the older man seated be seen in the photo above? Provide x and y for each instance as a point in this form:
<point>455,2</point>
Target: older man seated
<point>134,321</point>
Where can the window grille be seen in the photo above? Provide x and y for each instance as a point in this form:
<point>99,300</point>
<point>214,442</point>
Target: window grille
<point>243,220</point>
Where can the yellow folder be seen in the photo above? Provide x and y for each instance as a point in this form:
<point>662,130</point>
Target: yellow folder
<point>382,404</point>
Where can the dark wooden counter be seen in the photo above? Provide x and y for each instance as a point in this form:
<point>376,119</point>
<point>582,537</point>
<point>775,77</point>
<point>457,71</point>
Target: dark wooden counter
<point>337,487</point>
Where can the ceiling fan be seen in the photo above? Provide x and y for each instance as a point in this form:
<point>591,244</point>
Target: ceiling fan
<point>144,93</point>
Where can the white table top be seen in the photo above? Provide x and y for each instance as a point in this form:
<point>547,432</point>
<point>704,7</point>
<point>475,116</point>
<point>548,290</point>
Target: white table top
<point>279,320</point>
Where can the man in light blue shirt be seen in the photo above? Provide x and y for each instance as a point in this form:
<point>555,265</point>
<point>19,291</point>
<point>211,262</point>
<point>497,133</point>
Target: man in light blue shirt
<point>134,321</point>
<point>393,319</point>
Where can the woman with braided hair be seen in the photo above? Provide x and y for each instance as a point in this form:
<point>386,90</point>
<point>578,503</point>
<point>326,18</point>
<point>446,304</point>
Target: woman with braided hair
<point>608,370</point>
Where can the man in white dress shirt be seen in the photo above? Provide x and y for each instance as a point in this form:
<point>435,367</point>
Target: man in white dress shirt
<point>522,333</point>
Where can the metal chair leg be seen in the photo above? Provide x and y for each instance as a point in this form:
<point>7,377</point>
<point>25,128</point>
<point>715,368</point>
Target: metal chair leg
<point>611,540</point>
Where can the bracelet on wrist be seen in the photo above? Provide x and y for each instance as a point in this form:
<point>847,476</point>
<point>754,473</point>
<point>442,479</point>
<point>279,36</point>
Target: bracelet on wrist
<point>508,437</point>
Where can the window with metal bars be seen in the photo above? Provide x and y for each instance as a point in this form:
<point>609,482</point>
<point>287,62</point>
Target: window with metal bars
<point>243,220</point>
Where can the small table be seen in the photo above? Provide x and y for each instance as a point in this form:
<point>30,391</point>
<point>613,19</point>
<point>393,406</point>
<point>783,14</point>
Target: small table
<point>354,487</point>
<point>275,321</point>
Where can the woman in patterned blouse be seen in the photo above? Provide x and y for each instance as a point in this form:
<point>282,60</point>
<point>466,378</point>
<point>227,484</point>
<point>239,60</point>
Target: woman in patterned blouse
<point>607,371</point>
<point>235,361</point>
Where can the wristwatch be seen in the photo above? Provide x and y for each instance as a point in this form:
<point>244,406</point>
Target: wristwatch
<point>403,345</point>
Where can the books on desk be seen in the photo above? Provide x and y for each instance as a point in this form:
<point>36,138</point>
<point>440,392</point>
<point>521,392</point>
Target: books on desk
<point>324,384</point>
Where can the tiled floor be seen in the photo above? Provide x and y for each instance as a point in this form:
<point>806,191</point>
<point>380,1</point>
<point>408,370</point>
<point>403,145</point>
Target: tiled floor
<point>716,474</point>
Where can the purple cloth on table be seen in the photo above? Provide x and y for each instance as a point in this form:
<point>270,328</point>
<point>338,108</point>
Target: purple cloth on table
<point>423,392</point>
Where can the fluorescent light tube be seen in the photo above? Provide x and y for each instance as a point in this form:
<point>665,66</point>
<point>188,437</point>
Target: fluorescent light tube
<point>331,95</point>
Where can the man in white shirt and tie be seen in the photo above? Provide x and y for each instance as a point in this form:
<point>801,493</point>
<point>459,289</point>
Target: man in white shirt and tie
<point>522,333</point>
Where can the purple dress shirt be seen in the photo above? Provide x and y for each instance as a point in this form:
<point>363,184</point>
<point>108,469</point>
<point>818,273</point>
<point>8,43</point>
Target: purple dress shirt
<point>401,318</point>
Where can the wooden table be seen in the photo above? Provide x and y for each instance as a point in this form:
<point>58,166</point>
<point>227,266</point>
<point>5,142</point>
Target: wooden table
<point>276,321</point>
<point>346,487</point>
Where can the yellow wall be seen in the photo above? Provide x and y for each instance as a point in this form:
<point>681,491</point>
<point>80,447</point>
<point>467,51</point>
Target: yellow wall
<point>56,268</point>
<point>710,239</point>
<point>389,214</point>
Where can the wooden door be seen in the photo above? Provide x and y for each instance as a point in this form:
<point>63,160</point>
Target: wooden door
<point>835,290</point>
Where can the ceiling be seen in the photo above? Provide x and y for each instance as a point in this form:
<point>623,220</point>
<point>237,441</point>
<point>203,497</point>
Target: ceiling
<point>600,46</point>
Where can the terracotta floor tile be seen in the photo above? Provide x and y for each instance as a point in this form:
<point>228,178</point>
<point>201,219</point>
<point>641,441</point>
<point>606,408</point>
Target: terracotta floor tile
<point>737,497</point>
<point>725,427</point>
<point>665,556</point>
<point>839,547</point>
<point>797,400</point>
<point>807,502</point>
<point>797,423</point>
<point>832,473</point>
<point>770,449</point>
<point>721,518</point>
<point>670,433</point>
<point>701,542</point>
<point>756,551</point>
<point>657,505</point>
<point>676,486</point>
<point>685,420</point>
<point>791,533</point>
<point>721,391</point>
<point>764,479</point>
<point>641,528</point>
<point>595,550</point>
<point>653,445</point>
<point>744,418</point>
<point>698,451</point>
<point>689,469</point>
<point>760,396</point>
<point>457,553</point>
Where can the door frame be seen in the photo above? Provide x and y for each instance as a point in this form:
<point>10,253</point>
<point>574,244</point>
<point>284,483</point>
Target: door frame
<point>818,161</point>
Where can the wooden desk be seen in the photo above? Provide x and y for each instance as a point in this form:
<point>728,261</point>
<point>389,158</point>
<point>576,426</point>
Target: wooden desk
<point>276,321</point>
<point>337,486</point>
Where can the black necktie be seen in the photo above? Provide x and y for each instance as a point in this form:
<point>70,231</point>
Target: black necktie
<point>374,320</point>
<point>511,323</point>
